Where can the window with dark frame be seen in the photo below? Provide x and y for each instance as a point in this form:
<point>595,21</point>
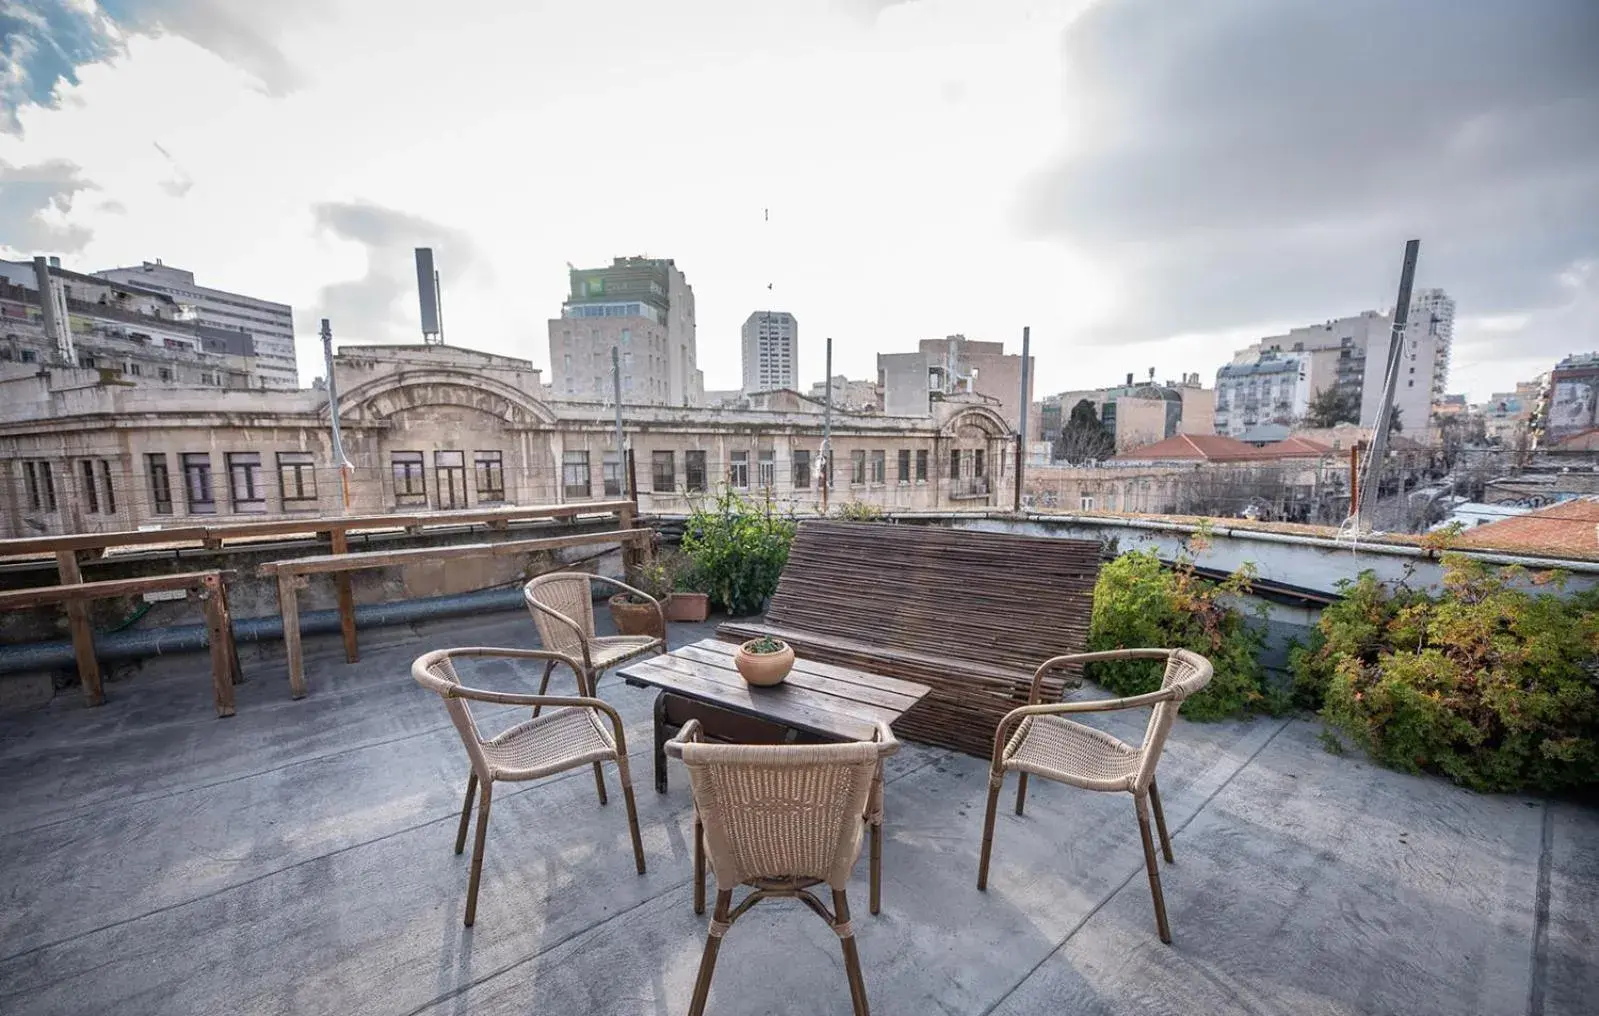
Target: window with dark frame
<point>802,469</point>
<point>297,481</point>
<point>954,463</point>
<point>489,469</point>
<point>694,471</point>
<point>245,488</point>
<point>197,489</point>
<point>663,472</point>
<point>449,474</point>
<point>977,463</point>
<point>738,470</point>
<point>106,492</point>
<point>921,465</point>
<point>857,466</point>
<point>91,499</point>
<point>160,482</point>
<point>410,479</point>
<point>766,468</point>
<point>904,465</point>
<point>575,474</point>
<point>611,474</point>
<point>879,466</point>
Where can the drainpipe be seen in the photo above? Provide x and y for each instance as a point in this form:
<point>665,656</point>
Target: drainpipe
<point>339,459</point>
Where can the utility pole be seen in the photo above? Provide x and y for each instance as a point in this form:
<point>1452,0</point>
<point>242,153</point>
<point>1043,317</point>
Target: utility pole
<point>1021,435</point>
<point>621,453</point>
<point>827,425</point>
<point>341,462</point>
<point>1371,481</point>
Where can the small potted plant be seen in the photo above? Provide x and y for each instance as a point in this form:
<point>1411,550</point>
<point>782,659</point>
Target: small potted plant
<point>689,602</point>
<point>634,615</point>
<point>764,661</point>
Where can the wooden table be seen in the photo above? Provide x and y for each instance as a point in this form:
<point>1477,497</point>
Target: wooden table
<point>818,700</point>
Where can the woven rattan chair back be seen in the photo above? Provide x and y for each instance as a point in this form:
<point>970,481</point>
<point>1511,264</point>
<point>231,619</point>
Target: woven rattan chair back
<point>436,673</point>
<point>788,811</point>
<point>1186,673</point>
<point>569,594</point>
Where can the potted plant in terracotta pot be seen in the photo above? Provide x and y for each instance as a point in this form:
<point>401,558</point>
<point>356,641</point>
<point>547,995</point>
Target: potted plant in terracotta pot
<point>637,615</point>
<point>689,601</point>
<point>764,661</point>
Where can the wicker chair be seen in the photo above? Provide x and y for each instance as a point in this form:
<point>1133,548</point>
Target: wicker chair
<point>570,736</point>
<point>562,605</point>
<point>1046,743</point>
<point>779,819</point>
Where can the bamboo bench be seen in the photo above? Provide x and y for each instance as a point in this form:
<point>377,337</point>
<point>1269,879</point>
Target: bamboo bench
<point>971,614</point>
<point>291,576</point>
<point>77,595</point>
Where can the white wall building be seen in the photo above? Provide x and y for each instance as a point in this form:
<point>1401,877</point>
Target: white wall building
<point>771,351</point>
<point>644,307</point>
<point>270,324</point>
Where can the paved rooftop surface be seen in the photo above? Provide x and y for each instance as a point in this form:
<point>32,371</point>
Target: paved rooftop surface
<point>297,859</point>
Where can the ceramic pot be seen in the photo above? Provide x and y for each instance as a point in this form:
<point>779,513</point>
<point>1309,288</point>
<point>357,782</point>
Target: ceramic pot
<point>764,669</point>
<point>635,618</point>
<point>689,607</point>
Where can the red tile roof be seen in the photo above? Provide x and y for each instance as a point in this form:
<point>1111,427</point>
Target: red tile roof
<point>1570,528</point>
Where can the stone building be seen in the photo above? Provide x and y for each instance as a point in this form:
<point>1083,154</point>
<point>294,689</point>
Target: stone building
<point>912,383</point>
<point>439,427</point>
<point>643,308</point>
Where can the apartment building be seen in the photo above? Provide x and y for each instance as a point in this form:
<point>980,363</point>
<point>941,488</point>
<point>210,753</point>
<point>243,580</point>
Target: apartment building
<point>134,335</point>
<point>770,344</point>
<point>1137,414</point>
<point>912,383</point>
<point>269,324</point>
<point>1573,398</point>
<point>856,396</point>
<point>644,308</point>
<point>437,427</point>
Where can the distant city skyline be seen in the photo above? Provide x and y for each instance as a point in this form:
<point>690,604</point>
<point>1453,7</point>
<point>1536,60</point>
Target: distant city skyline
<point>1141,189</point>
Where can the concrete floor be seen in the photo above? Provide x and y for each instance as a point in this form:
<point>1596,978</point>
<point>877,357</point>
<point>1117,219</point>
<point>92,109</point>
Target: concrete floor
<point>297,859</point>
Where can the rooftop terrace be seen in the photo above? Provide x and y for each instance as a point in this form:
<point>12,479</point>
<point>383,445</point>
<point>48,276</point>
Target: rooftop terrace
<point>297,858</point>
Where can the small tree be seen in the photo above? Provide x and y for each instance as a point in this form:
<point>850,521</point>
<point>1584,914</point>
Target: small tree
<point>1085,438</point>
<point>1332,406</point>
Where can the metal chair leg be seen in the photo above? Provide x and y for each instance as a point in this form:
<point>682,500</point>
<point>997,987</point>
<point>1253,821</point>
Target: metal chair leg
<point>1160,822</point>
<point>632,813</point>
<point>699,865</point>
<point>1142,804</point>
<point>1021,793</point>
<point>988,832</point>
<point>466,812</point>
<point>544,685</point>
<point>713,943</point>
<point>852,959</point>
<point>477,851</point>
<point>599,784</point>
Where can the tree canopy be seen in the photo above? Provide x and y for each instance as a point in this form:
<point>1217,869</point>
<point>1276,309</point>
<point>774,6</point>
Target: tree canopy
<point>1085,438</point>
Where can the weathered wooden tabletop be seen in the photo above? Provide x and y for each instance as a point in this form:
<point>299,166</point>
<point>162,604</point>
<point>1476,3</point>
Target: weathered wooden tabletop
<point>836,703</point>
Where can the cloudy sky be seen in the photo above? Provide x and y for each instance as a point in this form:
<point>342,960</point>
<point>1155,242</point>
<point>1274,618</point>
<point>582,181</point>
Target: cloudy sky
<point>1144,183</point>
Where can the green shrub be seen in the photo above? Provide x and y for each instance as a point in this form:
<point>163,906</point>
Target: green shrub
<point>1489,684</point>
<point>1139,603</point>
<point>857,511</point>
<point>737,551</point>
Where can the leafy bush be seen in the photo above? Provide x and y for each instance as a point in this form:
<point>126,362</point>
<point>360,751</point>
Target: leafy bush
<point>857,511</point>
<point>1491,685</point>
<point>1140,603</point>
<point>737,552</point>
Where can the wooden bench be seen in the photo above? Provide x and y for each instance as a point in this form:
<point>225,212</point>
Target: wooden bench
<point>971,614</point>
<point>291,574</point>
<point>77,596</point>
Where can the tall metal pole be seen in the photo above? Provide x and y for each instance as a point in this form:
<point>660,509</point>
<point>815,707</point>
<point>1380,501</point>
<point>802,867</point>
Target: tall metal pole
<point>339,460</point>
<point>621,453</point>
<point>1021,435</point>
<point>827,425</point>
<point>1378,454</point>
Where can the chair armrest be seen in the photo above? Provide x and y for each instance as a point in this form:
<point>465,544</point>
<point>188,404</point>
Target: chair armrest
<point>1105,654</point>
<point>687,734</point>
<point>887,743</point>
<point>1060,708</point>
